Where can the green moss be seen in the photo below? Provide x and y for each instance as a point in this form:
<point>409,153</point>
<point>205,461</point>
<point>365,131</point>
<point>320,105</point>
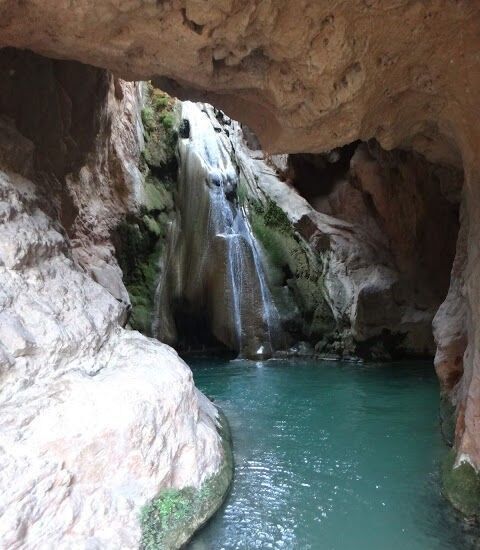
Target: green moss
<point>292,263</point>
<point>171,519</point>
<point>272,241</point>
<point>448,418</point>
<point>274,216</point>
<point>160,100</point>
<point>169,509</point>
<point>140,239</point>
<point>159,122</point>
<point>168,120</point>
<point>141,317</point>
<point>138,249</point>
<point>153,225</point>
<point>158,195</point>
<point>242,193</point>
<point>461,486</point>
<point>148,118</point>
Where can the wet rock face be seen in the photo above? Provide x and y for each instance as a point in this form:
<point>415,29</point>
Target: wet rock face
<point>212,292</point>
<point>95,420</point>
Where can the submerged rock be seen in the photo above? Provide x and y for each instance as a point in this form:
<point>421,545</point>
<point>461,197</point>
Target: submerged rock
<point>461,485</point>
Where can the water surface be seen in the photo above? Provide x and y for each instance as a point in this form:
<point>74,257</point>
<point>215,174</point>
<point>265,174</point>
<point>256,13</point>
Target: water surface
<point>330,456</point>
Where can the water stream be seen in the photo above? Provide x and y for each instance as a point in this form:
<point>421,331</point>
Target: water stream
<point>213,263</point>
<point>331,456</point>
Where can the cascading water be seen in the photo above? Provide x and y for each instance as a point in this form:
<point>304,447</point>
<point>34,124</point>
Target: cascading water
<point>213,271</point>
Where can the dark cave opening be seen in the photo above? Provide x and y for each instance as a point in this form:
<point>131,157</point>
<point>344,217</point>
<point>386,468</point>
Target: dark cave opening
<point>195,334</point>
<point>315,175</point>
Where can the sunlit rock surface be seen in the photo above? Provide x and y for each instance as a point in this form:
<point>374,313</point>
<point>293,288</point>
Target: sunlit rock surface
<point>95,420</point>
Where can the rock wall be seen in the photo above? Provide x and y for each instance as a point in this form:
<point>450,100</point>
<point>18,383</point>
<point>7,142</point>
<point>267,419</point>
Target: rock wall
<point>406,209</point>
<point>96,420</point>
<point>405,72</point>
<point>140,237</point>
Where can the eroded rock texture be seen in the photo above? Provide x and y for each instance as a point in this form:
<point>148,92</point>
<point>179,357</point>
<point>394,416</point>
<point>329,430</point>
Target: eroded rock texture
<point>95,420</point>
<point>405,72</point>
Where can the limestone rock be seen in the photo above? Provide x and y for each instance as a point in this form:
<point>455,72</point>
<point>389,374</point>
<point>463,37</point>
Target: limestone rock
<point>367,276</point>
<point>405,73</point>
<point>95,420</point>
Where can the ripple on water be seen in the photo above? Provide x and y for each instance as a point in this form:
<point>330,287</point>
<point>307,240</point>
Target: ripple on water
<point>330,456</point>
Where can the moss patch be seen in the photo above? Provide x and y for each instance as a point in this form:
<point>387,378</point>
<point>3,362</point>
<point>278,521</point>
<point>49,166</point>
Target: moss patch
<point>294,265</point>
<point>140,239</point>
<point>160,132</point>
<point>138,249</point>
<point>461,486</point>
<point>170,520</point>
<point>275,217</point>
<point>448,419</point>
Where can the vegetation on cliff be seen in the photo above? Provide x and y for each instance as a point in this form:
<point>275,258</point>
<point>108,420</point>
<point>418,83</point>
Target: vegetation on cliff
<point>140,239</point>
<point>295,272</point>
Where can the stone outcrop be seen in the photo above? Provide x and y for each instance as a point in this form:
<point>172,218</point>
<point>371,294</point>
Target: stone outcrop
<point>96,420</point>
<point>405,72</point>
<point>140,237</point>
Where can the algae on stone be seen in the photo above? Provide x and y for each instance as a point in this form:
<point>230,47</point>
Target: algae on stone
<point>293,265</point>
<point>461,485</point>
<point>448,419</point>
<point>138,249</point>
<point>170,520</point>
<point>160,123</point>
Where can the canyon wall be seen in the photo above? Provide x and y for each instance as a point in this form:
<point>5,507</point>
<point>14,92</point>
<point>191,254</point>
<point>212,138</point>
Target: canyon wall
<point>366,260</point>
<point>358,245</point>
<point>405,72</point>
<point>96,420</point>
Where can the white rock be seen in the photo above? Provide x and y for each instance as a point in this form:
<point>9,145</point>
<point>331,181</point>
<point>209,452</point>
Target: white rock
<point>94,420</point>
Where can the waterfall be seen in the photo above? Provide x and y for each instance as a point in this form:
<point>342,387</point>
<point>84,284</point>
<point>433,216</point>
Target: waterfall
<point>213,272</point>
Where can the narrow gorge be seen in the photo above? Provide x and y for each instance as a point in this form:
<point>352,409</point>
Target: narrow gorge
<point>239,274</point>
